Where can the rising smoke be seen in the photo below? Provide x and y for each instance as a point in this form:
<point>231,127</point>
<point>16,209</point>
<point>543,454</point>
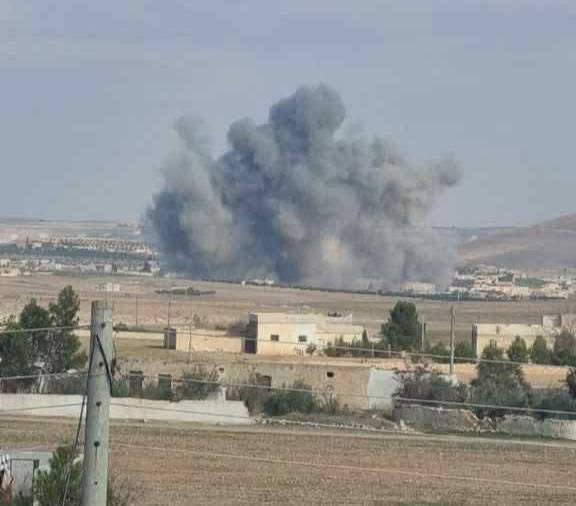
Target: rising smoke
<point>292,201</point>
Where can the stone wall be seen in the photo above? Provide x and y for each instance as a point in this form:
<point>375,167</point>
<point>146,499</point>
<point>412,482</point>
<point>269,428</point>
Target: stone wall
<point>527,426</point>
<point>437,419</point>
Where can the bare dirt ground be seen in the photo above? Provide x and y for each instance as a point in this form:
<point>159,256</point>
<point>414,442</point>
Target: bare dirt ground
<point>138,302</point>
<point>191,464</point>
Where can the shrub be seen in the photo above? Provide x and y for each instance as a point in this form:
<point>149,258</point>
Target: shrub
<point>539,353</point>
<point>565,349</point>
<point>499,383</point>
<point>441,353</point>
<point>465,351</point>
<point>518,351</point>
<point>432,386</point>
<point>50,485</point>
<point>284,402</point>
<point>198,385</point>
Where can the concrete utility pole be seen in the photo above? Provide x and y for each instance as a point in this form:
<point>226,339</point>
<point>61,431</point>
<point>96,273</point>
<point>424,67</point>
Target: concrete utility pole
<point>95,466</point>
<point>452,324</point>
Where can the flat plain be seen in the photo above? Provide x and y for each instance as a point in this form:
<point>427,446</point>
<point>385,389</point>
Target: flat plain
<point>138,303</point>
<point>193,464</point>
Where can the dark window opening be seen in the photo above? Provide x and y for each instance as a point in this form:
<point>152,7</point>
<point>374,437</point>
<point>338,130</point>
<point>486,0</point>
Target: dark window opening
<point>302,339</point>
<point>274,337</point>
<point>330,374</point>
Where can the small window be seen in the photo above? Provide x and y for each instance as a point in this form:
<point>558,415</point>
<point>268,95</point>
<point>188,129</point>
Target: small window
<point>493,343</point>
<point>302,339</point>
<point>274,337</point>
<point>330,374</point>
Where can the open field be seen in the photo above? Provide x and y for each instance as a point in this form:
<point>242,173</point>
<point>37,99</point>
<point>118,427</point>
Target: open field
<point>138,302</point>
<point>193,464</point>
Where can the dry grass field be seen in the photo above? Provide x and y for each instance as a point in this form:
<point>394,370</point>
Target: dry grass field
<point>138,300</point>
<point>191,464</point>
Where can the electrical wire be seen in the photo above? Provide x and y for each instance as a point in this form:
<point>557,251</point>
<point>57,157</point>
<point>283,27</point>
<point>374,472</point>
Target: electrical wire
<point>334,395</point>
<point>345,467</point>
<point>42,329</point>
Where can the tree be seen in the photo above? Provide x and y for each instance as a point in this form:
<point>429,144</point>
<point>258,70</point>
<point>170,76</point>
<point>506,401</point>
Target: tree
<point>50,485</point>
<point>65,351</point>
<point>402,329</point>
<point>565,349</point>
<point>518,351</point>
<point>48,350</point>
<point>432,386</point>
<point>539,353</point>
<point>464,352</point>
<point>499,383</point>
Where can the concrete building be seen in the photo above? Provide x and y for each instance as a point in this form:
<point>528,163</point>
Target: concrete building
<point>502,335</point>
<point>292,334</point>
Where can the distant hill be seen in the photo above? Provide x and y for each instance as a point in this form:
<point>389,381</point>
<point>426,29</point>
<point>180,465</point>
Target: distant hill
<point>547,245</point>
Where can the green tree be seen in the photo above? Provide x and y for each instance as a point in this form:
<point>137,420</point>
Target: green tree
<point>440,353</point>
<point>565,349</point>
<point>539,353</point>
<point>464,352</point>
<point>48,350</point>
<point>518,351</point>
<point>432,386</point>
<point>65,351</point>
<point>17,352</point>
<point>499,383</point>
<point>51,484</point>
<point>402,329</point>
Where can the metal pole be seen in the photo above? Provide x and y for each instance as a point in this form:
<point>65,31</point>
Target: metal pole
<point>452,323</point>
<point>95,466</point>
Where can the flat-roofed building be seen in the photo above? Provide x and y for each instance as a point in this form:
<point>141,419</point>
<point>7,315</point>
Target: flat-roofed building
<point>293,333</point>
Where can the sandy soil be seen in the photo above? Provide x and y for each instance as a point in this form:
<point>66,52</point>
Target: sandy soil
<point>188,464</point>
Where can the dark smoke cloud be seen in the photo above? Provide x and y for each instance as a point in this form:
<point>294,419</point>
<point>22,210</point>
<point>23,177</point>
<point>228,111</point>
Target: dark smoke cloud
<point>292,201</point>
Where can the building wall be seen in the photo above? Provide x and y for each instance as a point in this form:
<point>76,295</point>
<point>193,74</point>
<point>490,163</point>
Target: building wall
<point>502,335</point>
<point>318,330</point>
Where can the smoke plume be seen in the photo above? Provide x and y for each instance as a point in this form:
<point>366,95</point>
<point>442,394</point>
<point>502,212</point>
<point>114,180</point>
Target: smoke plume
<point>293,201</point>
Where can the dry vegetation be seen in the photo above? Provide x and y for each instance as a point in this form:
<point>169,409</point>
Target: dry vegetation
<point>220,466</point>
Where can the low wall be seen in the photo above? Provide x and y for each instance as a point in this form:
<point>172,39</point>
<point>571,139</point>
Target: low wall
<point>527,426</point>
<point>437,419</point>
<point>219,412</point>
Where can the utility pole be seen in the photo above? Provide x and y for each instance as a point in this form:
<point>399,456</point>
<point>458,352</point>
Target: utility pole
<point>136,311</point>
<point>95,465</point>
<point>452,324</point>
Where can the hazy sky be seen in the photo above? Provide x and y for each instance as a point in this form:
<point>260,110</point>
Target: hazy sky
<point>89,91</point>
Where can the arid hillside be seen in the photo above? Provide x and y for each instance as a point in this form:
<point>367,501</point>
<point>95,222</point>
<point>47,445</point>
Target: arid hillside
<point>547,245</point>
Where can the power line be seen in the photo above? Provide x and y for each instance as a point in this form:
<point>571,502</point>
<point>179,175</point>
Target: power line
<point>365,396</point>
<point>345,467</point>
<point>59,375</point>
<point>383,354</point>
<point>42,329</point>
<point>34,408</point>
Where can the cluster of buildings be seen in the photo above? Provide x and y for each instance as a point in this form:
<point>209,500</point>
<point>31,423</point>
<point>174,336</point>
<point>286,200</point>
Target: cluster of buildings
<point>492,283</point>
<point>272,334</point>
<point>12,267</point>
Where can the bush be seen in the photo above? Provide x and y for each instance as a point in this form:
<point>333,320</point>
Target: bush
<point>518,351</point>
<point>157,392</point>
<point>539,353</point>
<point>441,353</point>
<point>465,351</point>
<point>499,384</point>
<point>120,387</point>
<point>432,386</point>
<point>50,485</point>
<point>198,385</point>
<point>555,400</point>
<point>402,330</point>
<point>284,402</point>
<point>565,349</point>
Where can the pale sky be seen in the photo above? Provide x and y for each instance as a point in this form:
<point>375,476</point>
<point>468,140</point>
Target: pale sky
<point>89,91</point>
